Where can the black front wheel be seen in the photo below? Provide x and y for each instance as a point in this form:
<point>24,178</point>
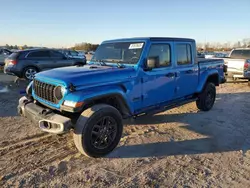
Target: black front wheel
<point>206,99</point>
<point>98,130</point>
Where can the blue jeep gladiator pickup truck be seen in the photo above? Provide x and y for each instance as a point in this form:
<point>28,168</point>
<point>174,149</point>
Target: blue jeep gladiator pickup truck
<point>125,78</point>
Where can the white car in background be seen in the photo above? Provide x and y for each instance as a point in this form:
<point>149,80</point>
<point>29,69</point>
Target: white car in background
<point>209,55</point>
<point>238,63</point>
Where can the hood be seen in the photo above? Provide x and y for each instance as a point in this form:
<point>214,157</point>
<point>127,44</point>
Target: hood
<point>87,75</point>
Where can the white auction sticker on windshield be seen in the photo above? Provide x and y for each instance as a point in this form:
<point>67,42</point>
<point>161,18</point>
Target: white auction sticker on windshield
<point>135,46</point>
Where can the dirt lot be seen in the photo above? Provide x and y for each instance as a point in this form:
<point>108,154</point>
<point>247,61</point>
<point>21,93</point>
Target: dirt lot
<point>179,148</point>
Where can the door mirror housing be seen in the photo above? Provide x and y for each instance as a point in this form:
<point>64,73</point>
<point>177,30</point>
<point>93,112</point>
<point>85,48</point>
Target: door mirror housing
<point>152,62</point>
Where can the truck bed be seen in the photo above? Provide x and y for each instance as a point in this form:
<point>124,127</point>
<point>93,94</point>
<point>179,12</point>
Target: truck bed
<point>204,60</point>
<point>216,64</point>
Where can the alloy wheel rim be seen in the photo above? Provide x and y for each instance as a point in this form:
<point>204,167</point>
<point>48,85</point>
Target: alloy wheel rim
<point>30,73</point>
<point>104,132</point>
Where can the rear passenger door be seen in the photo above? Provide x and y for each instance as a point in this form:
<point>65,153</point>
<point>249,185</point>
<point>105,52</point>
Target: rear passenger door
<point>59,60</point>
<point>186,69</point>
<point>40,59</point>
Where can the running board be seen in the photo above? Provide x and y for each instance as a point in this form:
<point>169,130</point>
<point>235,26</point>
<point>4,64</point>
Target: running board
<point>167,107</point>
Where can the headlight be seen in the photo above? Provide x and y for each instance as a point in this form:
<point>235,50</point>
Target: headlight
<point>59,92</point>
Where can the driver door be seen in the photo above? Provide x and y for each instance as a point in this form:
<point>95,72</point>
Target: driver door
<point>159,83</point>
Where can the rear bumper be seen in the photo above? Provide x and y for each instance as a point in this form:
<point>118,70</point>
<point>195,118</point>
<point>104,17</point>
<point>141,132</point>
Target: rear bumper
<point>47,120</point>
<point>247,74</point>
<point>11,71</point>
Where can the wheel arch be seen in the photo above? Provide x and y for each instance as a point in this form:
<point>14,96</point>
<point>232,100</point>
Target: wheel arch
<point>114,99</point>
<point>213,77</point>
<point>29,66</point>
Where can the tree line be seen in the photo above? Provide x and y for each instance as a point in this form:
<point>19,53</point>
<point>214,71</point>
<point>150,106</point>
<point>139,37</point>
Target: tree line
<point>85,47</point>
<point>227,46</point>
<point>15,47</point>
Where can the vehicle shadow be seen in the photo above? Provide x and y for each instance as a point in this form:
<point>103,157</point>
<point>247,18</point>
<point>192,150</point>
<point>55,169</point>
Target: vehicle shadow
<point>221,129</point>
<point>10,93</point>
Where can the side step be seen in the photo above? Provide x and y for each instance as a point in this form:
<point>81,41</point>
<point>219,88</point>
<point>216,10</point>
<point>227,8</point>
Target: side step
<point>164,108</point>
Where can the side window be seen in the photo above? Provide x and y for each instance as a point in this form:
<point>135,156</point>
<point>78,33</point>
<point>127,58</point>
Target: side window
<point>162,51</point>
<point>39,54</point>
<point>246,54</point>
<point>183,54</point>
<point>7,52</point>
<point>73,53</point>
<point>55,54</point>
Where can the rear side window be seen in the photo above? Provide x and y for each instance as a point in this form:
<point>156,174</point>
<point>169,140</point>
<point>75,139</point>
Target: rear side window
<point>39,54</point>
<point>14,55</point>
<point>55,54</point>
<point>73,53</point>
<point>163,52</point>
<point>240,54</point>
<point>183,54</point>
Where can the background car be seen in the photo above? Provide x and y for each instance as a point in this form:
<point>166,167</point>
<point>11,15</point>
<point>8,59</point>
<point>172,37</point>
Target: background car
<point>73,54</point>
<point>26,63</point>
<point>209,55</point>
<point>3,54</point>
<point>200,55</point>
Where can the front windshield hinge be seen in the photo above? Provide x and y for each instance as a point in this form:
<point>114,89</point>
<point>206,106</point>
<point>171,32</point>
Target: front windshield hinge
<point>72,87</point>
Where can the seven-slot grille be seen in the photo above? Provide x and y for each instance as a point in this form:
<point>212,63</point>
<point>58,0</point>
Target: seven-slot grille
<point>45,91</point>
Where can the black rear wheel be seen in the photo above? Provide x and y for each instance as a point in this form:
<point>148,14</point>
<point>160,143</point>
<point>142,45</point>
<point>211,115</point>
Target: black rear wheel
<point>206,99</point>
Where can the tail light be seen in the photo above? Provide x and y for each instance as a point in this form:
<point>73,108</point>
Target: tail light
<point>13,62</point>
<point>247,64</point>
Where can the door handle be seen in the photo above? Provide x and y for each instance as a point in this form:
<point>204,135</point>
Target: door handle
<point>170,75</point>
<point>189,71</point>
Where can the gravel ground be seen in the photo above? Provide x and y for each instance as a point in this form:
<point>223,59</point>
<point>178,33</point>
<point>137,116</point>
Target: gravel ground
<point>182,147</point>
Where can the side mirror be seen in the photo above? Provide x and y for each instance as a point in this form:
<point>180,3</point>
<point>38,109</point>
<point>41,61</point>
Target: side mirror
<point>152,62</point>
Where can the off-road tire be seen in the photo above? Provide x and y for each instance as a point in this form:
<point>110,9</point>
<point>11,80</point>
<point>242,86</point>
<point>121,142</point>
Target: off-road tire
<point>202,102</point>
<point>85,123</point>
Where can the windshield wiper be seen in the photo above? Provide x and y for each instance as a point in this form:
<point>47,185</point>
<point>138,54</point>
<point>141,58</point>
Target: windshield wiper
<point>120,65</point>
<point>100,61</point>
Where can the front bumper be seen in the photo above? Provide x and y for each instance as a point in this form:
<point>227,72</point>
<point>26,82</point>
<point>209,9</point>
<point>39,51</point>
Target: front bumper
<point>47,120</point>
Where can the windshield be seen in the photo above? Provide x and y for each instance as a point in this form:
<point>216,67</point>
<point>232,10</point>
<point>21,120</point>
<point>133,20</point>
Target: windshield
<point>119,52</point>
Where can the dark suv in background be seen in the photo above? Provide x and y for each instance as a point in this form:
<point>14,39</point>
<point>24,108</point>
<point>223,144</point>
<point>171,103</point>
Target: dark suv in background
<point>26,63</point>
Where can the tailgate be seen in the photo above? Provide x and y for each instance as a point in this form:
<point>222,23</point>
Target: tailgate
<point>235,65</point>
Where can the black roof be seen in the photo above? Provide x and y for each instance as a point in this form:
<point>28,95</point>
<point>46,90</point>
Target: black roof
<point>171,38</point>
<point>153,39</point>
